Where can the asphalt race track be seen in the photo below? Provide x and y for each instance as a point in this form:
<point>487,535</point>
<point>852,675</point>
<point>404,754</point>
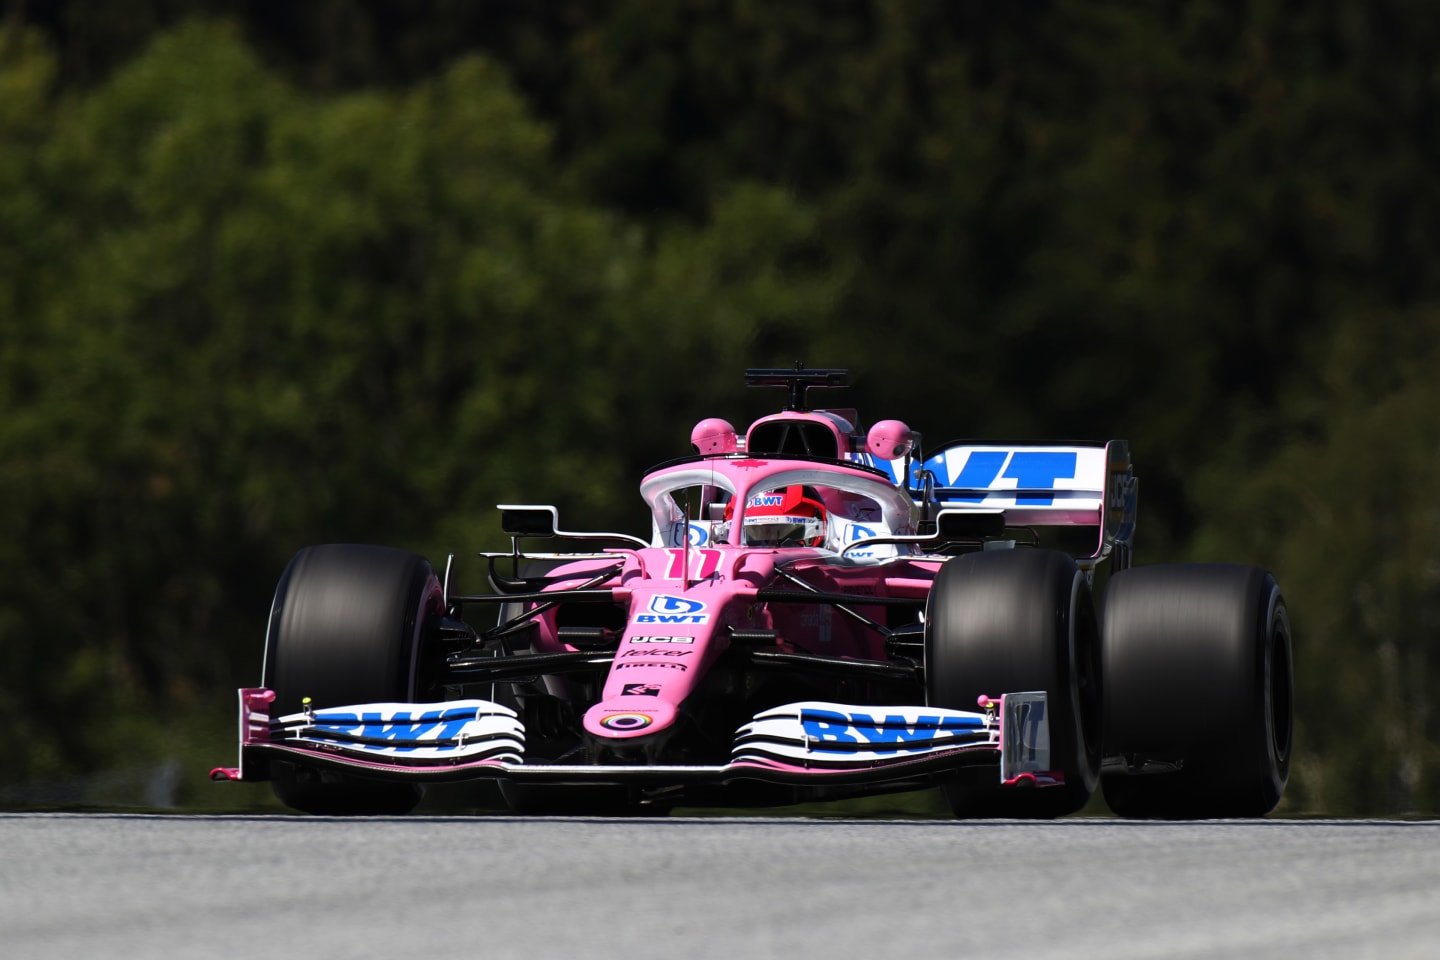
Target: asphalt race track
<point>116,886</point>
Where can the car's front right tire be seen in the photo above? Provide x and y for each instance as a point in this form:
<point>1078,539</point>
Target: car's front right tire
<point>347,626</point>
<point>1009,621</point>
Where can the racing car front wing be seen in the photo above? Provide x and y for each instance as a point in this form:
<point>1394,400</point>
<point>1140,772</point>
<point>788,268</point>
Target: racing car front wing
<point>791,744</point>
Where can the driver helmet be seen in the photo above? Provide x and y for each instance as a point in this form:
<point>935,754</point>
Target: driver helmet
<point>788,517</point>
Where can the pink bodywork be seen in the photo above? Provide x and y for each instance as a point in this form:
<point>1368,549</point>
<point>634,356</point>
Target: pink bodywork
<point>254,726</point>
<point>684,600</point>
<point>889,440</point>
<point>714,435</point>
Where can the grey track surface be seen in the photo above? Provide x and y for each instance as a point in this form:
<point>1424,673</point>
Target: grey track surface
<point>114,886</point>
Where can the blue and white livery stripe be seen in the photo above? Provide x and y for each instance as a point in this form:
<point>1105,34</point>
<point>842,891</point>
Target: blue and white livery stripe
<point>835,733</point>
<point>1032,484</point>
<point>1026,477</point>
<point>456,729</point>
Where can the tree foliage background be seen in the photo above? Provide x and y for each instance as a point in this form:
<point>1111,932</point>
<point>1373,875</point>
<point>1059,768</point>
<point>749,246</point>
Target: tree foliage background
<point>278,274</point>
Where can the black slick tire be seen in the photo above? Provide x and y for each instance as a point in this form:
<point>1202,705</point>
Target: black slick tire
<point>1198,674</point>
<point>347,626</point>
<point>1009,621</point>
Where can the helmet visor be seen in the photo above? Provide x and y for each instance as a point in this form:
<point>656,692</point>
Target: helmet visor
<point>785,531</point>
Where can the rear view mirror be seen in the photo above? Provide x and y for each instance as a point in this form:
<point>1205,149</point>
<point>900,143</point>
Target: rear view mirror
<point>970,524</point>
<point>528,521</point>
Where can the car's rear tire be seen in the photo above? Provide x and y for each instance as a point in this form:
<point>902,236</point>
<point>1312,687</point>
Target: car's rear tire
<point>1198,672</point>
<point>347,626</point>
<point>1010,621</point>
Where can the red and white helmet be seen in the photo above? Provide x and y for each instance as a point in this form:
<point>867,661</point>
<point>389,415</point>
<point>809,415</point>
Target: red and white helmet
<point>790,517</point>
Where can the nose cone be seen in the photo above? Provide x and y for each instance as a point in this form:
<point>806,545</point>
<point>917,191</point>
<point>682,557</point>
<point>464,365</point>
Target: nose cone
<point>627,717</point>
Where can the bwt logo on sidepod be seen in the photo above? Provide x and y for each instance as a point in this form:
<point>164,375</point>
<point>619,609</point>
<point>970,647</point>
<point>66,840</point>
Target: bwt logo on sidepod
<point>667,609</point>
<point>859,532</point>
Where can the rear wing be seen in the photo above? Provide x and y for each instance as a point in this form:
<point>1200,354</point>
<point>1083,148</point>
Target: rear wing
<point>1065,484</point>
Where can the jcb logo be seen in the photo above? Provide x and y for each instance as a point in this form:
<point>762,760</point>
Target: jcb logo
<point>1120,487</point>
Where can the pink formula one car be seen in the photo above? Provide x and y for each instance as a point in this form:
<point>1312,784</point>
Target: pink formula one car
<point>819,612</point>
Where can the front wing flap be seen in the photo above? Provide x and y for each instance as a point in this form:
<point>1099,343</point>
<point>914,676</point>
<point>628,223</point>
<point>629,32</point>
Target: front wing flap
<point>839,736</point>
<point>410,733</point>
